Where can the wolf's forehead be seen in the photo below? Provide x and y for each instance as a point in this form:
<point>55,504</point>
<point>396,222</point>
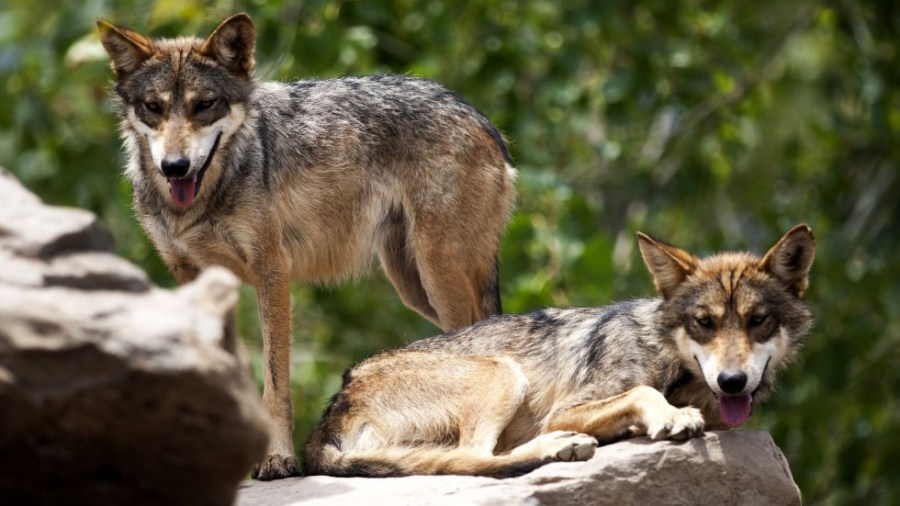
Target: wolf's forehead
<point>161,78</point>
<point>730,291</point>
<point>729,282</point>
<point>156,77</point>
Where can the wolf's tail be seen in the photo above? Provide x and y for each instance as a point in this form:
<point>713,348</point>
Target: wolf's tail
<point>406,461</point>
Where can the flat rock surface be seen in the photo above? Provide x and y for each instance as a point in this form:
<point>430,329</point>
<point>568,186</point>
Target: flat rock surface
<point>735,467</point>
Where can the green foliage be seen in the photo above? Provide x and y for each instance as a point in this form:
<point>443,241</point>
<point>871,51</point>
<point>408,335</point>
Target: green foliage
<point>711,124</point>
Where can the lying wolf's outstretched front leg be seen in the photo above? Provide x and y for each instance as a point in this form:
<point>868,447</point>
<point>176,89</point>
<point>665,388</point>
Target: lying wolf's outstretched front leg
<point>641,410</point>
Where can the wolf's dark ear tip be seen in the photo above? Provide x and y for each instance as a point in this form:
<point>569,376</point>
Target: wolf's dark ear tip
<point>241,16</point>
<point>802,228</point>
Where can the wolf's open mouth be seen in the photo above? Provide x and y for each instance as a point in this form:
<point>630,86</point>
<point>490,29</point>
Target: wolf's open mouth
<point>734,410</point>
<point>183,190</point>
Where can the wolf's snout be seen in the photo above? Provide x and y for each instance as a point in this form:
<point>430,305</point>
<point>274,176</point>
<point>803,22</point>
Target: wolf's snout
<point>732,383</point>
<point>174,167</point>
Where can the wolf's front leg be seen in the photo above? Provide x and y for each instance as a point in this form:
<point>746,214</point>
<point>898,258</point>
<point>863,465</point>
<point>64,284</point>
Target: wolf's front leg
<point>641,410</point>
<point>273,291</point>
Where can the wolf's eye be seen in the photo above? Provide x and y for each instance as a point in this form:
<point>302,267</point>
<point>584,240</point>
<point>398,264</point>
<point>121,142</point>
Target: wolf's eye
<point>204,105</point>
<point>704,321</point>
<point>152,106</point>
<point>757,320</point>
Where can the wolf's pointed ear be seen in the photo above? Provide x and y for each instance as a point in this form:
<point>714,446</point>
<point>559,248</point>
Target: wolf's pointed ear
<point>232,44</point>
<point>791,258</point>
<point>127,49</point>
<point>668,265</point>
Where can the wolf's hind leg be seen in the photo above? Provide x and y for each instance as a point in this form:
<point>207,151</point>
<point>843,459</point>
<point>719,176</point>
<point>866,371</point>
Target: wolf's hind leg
<point>460,276</point>
<point>455,223</point>
<point>491,414</point>
<point>400,266</point>
<point>409,427</point>
<point>487,417</point>
<point>406,461</point>
<point>412,397</point>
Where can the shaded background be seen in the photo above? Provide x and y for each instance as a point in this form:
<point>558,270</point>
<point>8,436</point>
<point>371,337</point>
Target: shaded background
<point>711,124</point>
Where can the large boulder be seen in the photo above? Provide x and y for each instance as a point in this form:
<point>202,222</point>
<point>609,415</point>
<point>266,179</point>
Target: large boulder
<point>113,391</point>
<point>728,468</point>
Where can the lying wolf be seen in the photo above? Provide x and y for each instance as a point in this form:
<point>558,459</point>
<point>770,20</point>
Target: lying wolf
<point>309,180</point>
<point>511,393</point>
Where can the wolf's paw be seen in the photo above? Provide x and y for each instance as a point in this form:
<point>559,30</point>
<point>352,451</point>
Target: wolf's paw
<point>275,467</point>
<point>566,446</point>
<point>675,423</point>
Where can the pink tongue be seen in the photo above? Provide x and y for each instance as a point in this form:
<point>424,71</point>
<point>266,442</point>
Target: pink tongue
<point>183,190</point>
<point>734,410</point>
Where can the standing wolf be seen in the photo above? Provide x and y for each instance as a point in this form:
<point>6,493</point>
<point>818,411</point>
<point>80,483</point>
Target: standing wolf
<point>511,393</point>
<point>306,180</point>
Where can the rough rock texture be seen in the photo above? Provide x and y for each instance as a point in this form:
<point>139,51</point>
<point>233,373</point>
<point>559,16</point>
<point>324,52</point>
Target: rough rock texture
<point>739,467</point>
<point>113,391</point>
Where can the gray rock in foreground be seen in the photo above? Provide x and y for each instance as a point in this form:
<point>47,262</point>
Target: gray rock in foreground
<point>738,467</point>
<point>113,391</point>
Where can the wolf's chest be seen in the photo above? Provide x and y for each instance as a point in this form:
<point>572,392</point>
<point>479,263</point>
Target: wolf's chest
<point>224,243</point>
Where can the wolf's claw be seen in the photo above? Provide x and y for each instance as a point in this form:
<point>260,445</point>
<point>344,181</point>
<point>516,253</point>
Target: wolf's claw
<point>275,467</point>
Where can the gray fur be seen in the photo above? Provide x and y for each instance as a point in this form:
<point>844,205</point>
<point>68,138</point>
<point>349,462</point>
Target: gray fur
<point>309,181</point>
<point>616,371</point>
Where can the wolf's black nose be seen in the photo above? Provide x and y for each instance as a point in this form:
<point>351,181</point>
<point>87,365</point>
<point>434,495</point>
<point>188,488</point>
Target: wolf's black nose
<point>732,383</point>
<point>175,167</point>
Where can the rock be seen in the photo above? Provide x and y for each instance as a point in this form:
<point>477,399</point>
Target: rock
<point>113,391</point>
<point>31,229</point>
<point>737,467</point>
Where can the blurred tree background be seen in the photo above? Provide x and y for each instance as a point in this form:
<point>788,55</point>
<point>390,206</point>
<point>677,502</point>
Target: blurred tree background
<point>712,124</point>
